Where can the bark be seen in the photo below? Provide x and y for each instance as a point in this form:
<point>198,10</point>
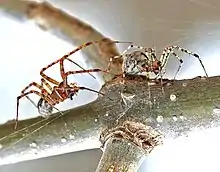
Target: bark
<point>186,104</point>
<point>67,27</point>
<point>126,146</point>
<point>120,155</point>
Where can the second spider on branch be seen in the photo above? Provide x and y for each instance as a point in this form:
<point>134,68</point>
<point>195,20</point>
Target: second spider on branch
<point>145,60</point>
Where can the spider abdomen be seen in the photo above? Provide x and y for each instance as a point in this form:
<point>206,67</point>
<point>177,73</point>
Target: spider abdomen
<point>134,63</point>
<point>44,108</point>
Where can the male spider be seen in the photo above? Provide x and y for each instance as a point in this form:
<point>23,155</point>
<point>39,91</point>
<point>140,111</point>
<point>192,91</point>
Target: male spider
<point>145,60</point>
<point>47,101</point>
<point>57,94</point>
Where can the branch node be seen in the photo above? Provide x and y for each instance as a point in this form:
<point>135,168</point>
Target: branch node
<point>137,133</point>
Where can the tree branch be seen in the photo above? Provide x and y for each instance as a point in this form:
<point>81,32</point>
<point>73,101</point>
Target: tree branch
<point>186,104</point>
<point>126,146</point>
<point>120,155</point>
<point>67,27</point>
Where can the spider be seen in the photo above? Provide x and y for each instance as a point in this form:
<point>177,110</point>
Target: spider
<point>46,105</point>
<point>145,60</point>
<point>43,107</point>
<point>55,95</point>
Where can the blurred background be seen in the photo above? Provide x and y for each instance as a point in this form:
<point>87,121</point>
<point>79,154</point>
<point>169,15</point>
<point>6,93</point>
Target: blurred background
<point>191,24</point>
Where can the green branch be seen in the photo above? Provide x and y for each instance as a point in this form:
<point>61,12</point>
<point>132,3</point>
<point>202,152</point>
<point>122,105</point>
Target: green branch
<point>185,105</point>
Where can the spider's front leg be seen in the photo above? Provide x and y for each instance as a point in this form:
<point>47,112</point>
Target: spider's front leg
<point>66,56</point>
<point>62,71</point>
<point>83,71</point>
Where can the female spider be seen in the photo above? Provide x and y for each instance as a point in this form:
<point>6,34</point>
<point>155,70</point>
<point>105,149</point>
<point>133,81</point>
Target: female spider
<point>145,60</point>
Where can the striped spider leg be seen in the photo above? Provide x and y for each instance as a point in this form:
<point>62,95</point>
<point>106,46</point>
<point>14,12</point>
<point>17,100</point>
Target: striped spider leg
<point>171,51</point>
<point>61,60</point>
<point>57,94</point>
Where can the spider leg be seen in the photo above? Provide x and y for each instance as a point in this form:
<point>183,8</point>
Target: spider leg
<point>195,55</point>
<point>36,85</point>
<point>47,77</point>
<point>161,80</point>
<point>77,88</point>
<point>61,68</point>
<point>79,67</point>
<point>165,56</point>
<point>44,82</point>
<point>170,50</point>
<point>83,71</point>
<point>55,62</point>
<point>89,89</point>
<point>180,64</point>
<point>43,95</point>
<point>62,72</point>
<point>160,74</point>
<point>65,88</point>
<point>148,86</point>
<point>73,90</point>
